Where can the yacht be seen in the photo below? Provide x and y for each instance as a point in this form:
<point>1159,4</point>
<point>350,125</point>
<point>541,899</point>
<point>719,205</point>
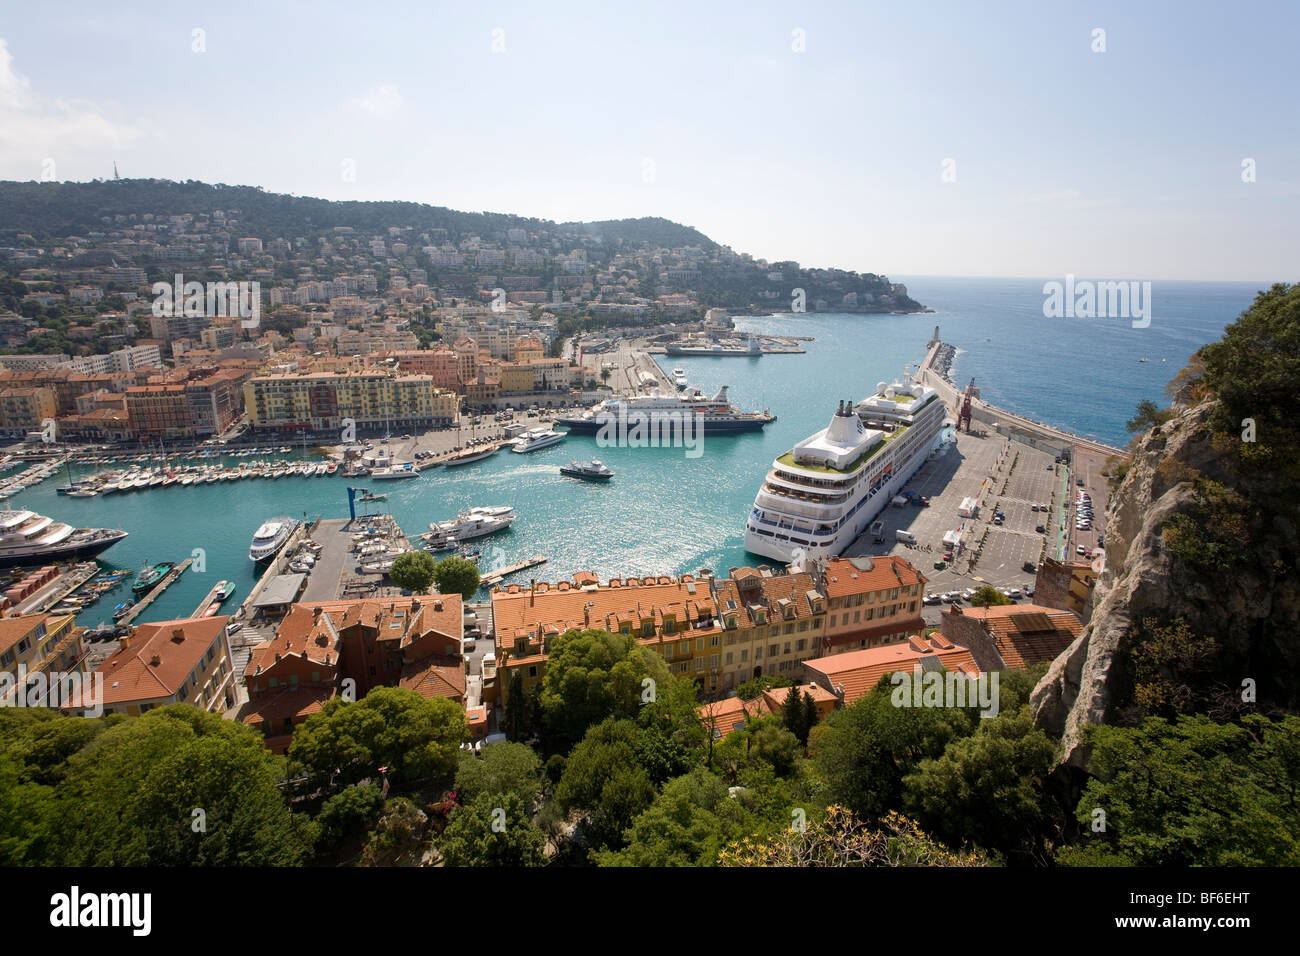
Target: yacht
<point>537,438</point>
<point>823,493</point>
<point>394,471</point>
<point>659,413</point>
<point>592,470</point>
<point>471,455</point>
<point>474,523</point>
<point>270,538</point>
<point>29,538</point>
<point>679,378</point>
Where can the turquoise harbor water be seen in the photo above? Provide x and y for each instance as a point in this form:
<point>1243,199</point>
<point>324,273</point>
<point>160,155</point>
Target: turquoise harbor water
<point>664,512</point>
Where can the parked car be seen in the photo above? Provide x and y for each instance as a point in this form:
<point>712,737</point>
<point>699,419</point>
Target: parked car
<point>951,597</point>
<point>932,599</point>
<point>1081,551</point>
<point>1029,567</point>
<point>1013,593</point>
<point>1029,591</point>
<point>967,594</point>
<point>1040,529</point>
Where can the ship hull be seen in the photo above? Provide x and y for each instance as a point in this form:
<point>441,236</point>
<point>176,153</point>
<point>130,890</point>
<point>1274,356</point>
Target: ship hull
<point>61,553</point>
<point>590,426</point>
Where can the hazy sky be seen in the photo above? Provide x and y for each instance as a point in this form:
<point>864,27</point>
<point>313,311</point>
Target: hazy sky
<point>1125,163</point>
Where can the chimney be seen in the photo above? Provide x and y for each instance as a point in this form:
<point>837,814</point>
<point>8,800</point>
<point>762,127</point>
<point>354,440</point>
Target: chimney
<point>155,660</point>
<point>437,605</point>
<point>125,642</point>
<point>532,597</point>
<point>315,614</point>
<point>178,635</point>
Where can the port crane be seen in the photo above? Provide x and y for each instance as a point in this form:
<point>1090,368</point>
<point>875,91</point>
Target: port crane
<point>965,413</point>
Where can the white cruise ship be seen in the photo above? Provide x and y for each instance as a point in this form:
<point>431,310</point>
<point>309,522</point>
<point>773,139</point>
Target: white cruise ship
<point>29,538</point>
<point>270,538</point>
<point>824,492</point>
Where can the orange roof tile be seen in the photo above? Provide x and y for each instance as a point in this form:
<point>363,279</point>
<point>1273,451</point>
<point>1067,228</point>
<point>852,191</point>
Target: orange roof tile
<point>858,672</point>
<point>157,658</point>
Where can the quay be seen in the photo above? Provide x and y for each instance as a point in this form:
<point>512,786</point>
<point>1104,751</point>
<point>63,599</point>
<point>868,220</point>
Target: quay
<point>139,607</point>
<point>203,605</point>
<point>494,578</point>
<point>59,588</point>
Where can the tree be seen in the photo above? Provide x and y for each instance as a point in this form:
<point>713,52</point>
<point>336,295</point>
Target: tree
<point>414,571</point>
<point>501,768</point>
<point>869,747</point>
<point>988,789</point>
<point>1148,415</point>
<point>130,797</point>
<point>603,777</point>
<point>843,840</point>
<point>792,715</point>
<point>688,823</point>
<point>809,716</point>
<point>346,742</point>
<point>493,829</point>
<point>456,576</point>
<point>752,688</point>
<point>349,813</point>
<point>591,675</point>
<point>988,596</point>
<point>1190,793</point>
<point>520,720</point>
<point>771,742</point>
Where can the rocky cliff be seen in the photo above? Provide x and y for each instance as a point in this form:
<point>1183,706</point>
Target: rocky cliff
<point>1244,596</point>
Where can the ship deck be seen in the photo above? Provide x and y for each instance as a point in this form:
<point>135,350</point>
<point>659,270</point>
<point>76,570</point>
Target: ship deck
<point>888,438</point>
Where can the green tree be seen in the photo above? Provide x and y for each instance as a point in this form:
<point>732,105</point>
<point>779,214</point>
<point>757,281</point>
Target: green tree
<point>456,576</point>
<point>687,825</point>
<point>868,748</point>
<point>603,778</point>
<point>346,742</point>
<point>1148,415</point>
<point>502,767</point>
<point>809,716</point>
<point>349,813</point>
<point>591,675</point>
<point>792,715</point>
<point>988,596</point>
<point>988,789</point>
<point>492,830</point>
<point>752,688</point>
<point>520,720</point>
<point>414,571</point>
<point>1191,793</point>
<point>771,742</point>
<point>129,798</point>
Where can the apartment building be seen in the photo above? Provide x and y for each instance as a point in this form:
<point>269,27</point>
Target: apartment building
<point>24,409</point>
<point>160,411</point>
<point>40,644</point>
<point>719,632</point>
<point>871,601</point>
<point>372,397</point>
<point>171,662</point>
<point>167,328</point>
<point>323,649</point>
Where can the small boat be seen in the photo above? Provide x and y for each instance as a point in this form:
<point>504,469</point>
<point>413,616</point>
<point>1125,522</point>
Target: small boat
<point>122,610</point>
<point>213,608</point>
<point>370,497</point>
<point>592,470</point>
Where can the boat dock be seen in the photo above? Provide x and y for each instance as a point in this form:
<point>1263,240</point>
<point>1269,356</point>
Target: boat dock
<point>492,579</point>
<point>203,605</point>
<point>139,607</point>
<point>62,586</point>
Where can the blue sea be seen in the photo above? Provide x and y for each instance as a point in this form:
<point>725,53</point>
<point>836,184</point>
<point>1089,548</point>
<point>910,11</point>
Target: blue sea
<point>668,513</point>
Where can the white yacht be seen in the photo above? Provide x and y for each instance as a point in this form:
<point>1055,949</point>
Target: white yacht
<point>474,523</point>
<point>679,378</point>
<point>394,471</point>
<point>537,438</point>
<point>270,538</point>
<point>823,493</point>
<point>29,538</point>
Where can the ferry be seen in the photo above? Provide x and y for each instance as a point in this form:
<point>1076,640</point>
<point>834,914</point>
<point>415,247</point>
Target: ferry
<point>592,470</point>
<point>29,538</point>
<point>537,438</point>
<point>658,413</point>
<point>714,348</point>
<point>823,493</point>
<point>679,378</point>
<point>270,538</point>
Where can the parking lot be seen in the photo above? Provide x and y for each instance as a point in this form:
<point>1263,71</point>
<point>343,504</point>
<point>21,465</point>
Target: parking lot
<point>1014,478</point>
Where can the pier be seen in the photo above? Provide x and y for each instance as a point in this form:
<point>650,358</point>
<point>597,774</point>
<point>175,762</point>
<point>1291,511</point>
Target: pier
<point>494,578</point>
<point>203,605</point>
<point>60,588</point>
<point>140,606</point>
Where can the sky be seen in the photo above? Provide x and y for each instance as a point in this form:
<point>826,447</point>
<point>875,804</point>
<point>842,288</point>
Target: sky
<point>999,138</point>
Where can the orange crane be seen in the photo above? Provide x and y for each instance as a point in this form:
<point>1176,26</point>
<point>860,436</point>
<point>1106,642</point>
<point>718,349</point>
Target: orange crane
<point>964,414</point>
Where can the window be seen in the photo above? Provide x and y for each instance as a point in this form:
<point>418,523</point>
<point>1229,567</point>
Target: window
<point>532,671</point>
<point>817,624</point>
<point>699,664</point>
<point>714,661</point>
<point>24,645</point>
<point>744,656</point>
<point>799,644</point>
<point>729,656</point>
<point>787,648</point>
<point>272,682</point>
<point>771,650</point>
<point>803,625</point>
<point>774,632</point>
<point>212,652</point>
<point>714,641</point>
<point>699,643</point>
<point>315,676</point>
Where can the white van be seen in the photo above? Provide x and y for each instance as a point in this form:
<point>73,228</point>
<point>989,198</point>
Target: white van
<point>906,537</point>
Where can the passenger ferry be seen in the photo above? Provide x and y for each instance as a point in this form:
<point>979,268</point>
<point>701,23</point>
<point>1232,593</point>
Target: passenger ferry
<point>679,378</point>
<point>660,412</point>
<point>270,538</point>
<point>823,493</point>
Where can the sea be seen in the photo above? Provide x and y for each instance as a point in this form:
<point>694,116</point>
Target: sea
<point>665,511</point>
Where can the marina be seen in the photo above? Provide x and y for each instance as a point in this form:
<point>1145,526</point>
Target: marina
<point>143,604</point>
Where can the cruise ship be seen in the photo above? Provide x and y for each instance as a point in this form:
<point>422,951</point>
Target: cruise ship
<point>29,538</point>
<point>660,412</point>
<point>824,492</point>
<point>270,538</point>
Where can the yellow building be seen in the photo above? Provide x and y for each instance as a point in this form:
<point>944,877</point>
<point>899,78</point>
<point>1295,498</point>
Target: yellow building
<point>371,397</point>
<point>516,377</point>
<point>24,409</point>
<point>528,350</point>
<point>171,662</point>
<point>39,644</point>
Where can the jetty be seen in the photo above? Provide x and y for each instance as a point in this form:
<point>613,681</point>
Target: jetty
<point>212,596</point>
<point>492,579</point>
<point>139,607</point>
<point>51,595</point>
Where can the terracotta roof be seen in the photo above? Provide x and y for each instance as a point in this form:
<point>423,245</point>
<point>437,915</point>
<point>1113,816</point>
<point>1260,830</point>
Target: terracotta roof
<point>157,658</point>
<point>843,577</point>
<point>731,713</point>
<point>14,629</point>
<point>290,702</point>
<point>435,677</point>
<point>1027,634</point>
<point>860,671</point>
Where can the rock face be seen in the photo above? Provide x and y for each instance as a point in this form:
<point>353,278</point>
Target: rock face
<point>1253,611</point>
